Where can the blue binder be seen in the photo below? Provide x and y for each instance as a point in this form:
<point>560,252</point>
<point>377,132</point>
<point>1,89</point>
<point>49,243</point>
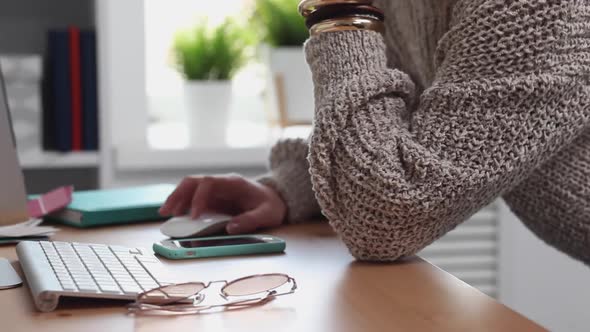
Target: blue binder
<point>89,90</point>
<point>61,87</point>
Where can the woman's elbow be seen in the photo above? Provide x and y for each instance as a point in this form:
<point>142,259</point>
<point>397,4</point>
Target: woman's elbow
<point>367,243</point>
<point>383,228</point>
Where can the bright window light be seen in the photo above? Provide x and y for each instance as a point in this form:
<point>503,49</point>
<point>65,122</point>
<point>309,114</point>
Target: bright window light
<point>164,86</point>
<point>163,19</point>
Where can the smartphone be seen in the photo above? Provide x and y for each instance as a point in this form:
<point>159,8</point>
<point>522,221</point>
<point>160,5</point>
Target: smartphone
<point>216,246</point>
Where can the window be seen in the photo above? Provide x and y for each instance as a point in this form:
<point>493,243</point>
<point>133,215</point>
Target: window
<point>167,125</point>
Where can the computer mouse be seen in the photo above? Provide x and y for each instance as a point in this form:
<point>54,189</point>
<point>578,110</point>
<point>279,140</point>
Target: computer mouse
<point>205,225</point>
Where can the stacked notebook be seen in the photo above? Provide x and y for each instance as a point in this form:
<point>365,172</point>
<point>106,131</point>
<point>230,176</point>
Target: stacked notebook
<point>113,206</point>
<point>28,230</point>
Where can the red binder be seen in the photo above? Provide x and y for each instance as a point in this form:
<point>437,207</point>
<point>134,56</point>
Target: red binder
<point>76,78</point>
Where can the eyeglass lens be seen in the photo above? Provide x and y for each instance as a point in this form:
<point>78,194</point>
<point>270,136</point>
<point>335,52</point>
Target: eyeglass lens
<point>254,284</point>
<point>171,293</point>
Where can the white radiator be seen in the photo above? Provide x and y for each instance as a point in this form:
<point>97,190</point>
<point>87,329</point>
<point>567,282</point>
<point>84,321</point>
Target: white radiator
<point>470,252</point>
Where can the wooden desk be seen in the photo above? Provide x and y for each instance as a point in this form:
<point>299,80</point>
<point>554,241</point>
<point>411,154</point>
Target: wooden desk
<point>336,293</point>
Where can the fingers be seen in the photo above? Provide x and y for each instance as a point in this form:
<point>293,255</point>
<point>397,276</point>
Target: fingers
<point>197,192</point>
<point>201,197</point>
<point>246,222</point>
<point>177,203</point>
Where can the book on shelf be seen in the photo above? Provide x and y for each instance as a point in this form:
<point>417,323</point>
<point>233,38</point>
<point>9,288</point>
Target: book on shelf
<point>60,86</point>
<point>69,85</point>
<point>75,87</point>
<point>89,90</point>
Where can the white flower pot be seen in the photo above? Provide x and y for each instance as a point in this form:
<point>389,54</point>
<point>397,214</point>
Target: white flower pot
<point>290,70</point>
<point>207,106</point>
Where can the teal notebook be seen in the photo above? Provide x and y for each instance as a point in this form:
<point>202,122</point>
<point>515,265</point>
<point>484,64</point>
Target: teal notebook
<point>113,206</point>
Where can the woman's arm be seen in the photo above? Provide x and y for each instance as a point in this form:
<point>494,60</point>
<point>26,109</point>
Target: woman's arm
<point>511,89</point>
<point>289,176</point>
<point>554,202</point>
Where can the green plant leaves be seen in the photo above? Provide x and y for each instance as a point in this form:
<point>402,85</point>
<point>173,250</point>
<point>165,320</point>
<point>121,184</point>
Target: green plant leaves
<point>279,22</point>
<point>212,53</point>
<point>216,53</point>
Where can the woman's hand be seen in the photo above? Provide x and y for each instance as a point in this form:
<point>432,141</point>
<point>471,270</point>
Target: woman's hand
<point>252,204</point>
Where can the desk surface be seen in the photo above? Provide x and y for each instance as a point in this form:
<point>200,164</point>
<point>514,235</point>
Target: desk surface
<point>336,293</point>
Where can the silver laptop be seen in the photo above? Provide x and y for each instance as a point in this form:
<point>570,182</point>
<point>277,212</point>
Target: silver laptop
<point>13,199</point>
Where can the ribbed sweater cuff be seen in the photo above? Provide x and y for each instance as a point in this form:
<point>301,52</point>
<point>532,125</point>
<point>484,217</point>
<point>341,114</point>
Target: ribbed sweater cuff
<point>344,55</point>
<point>289,176</point>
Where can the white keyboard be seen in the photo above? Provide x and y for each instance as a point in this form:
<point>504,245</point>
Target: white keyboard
<point>55,269</point>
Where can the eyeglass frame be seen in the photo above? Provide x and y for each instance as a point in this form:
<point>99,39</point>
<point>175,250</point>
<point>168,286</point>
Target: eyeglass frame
<point>176,306</point>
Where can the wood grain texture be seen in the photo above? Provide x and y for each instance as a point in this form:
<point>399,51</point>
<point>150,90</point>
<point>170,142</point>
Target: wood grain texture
<point>336,293</point>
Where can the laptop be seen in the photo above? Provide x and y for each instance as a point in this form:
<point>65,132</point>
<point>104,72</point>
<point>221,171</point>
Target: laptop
<point>13,198</point>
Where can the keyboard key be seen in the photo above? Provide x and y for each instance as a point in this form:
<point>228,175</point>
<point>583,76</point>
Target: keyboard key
<point>63,276</point>
<point>109,288</point>
<point>147,259</point>
<point>114,290</point>
<point>82,277</point>
<point>115,267</point>
<point>97,269</point>
<point>106,282</point>
<point>149,286</point>
<point>106,277</point>
<point>134,251</point>
<point>119,274</point>
<point>141,275</point>
<point>158,272</point>
<point>117,248</point>
<point>68,285</point>
<point>60,268</point>
<point>131,289</point>
<point>88,287</point>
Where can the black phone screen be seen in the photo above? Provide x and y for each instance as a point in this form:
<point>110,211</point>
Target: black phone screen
<point>218,242</point>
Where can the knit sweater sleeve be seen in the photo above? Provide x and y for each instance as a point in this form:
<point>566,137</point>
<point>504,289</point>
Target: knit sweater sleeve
<point>510,90</point>
<point>289,176</point>
<point>554,201</point>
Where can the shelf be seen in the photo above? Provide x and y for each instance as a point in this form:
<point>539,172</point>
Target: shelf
<point>191,158</point>
<point>52,160</point>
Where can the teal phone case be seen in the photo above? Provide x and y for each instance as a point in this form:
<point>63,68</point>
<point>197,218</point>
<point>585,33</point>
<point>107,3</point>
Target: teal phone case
<point>272,244</point>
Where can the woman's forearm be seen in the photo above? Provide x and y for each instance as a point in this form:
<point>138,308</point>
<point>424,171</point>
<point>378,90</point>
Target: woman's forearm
<point>505,99</point>
<point>289,176</point>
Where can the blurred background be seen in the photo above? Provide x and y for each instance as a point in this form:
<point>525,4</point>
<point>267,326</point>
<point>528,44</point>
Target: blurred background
<point>116,93</point>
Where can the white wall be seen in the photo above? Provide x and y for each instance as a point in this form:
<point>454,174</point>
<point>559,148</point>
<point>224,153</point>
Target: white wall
<point>30,19</point>
<point>541,282</point>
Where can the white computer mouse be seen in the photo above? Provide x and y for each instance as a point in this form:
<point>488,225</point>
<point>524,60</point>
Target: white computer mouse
<point>205,225</point>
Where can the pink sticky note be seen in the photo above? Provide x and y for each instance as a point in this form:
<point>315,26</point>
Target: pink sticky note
<point>52,201</point>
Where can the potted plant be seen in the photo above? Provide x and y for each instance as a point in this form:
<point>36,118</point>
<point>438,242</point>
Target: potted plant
<point>284,31</point>
<point>208,57</point>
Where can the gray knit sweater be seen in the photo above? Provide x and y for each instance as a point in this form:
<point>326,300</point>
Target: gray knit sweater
<point>461,102</point>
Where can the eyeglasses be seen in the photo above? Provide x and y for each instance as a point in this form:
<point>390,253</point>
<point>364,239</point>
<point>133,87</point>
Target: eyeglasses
<point>186,298</point>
